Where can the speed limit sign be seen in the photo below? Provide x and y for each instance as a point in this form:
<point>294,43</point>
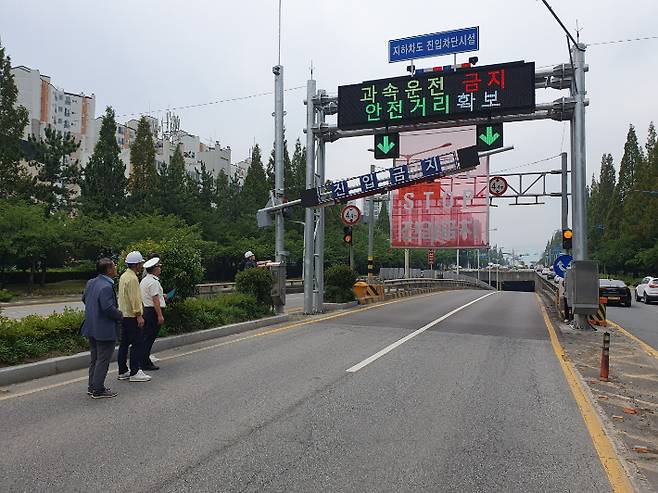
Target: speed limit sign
<point>497,186</point>
<point>350,215</point>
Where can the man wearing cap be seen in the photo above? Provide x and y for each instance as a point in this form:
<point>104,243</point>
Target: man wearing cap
<point>249,260</point>
<point>153,299</point>
<point>132,335</point>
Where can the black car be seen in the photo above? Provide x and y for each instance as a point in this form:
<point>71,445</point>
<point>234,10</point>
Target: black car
<point>616,291</point>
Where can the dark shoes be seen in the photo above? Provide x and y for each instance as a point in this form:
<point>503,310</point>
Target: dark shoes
<point>104,394</point>
<point>150,368</point>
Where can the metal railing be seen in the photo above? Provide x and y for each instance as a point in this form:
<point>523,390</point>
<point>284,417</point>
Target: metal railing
<point>210,288</point>
<point>394,286</point>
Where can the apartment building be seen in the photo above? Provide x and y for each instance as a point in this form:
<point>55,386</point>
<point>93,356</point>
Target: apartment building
<point>49,105</point>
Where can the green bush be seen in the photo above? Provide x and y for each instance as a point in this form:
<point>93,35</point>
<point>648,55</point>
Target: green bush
<point>6,295</point>
<point>256,282</point>
<point>195,314</point>
<point>338,281</point>
<point>35,336</point>
<point>181,263</point>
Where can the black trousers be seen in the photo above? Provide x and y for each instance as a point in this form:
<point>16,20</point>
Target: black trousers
<point>151,331</point>
<point>132,337</point>
<point>101,354</point>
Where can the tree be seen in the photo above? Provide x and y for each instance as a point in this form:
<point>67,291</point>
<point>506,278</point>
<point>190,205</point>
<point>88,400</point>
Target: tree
<point>13,119</point>
<point>57,175</point>
<point>142,183</point>
<point>383,223</point>
<point>175,186</point>
<point>255,191</point>
<point>103,187</point>
<point>206,184</point>
<point>599,202</point>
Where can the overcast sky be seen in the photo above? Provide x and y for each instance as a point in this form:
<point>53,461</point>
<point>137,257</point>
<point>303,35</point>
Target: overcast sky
<point>143,56</point>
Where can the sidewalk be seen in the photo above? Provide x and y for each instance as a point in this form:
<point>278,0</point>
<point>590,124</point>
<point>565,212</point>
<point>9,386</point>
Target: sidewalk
<point>628,401</point>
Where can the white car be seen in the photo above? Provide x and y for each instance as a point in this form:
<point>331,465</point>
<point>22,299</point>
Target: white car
<point>647,290</point>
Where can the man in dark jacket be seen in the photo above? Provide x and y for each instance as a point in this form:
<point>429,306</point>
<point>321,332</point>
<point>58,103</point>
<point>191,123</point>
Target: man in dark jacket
<point>101,326</point>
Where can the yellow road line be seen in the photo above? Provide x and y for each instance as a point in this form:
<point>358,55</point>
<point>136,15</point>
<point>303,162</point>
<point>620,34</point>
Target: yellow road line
<point>602,443</point>
<point>649,349</point>
<point>226,343</point>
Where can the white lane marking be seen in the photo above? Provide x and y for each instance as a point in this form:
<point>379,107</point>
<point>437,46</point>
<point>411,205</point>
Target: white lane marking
<point>390,348</point>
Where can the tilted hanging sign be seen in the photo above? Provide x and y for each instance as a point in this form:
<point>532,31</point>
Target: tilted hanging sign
<point>379,182</point>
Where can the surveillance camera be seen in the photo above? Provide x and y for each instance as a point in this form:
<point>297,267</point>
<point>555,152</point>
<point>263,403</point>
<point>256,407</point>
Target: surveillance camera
<point>473,60</point>
<point>276,70</point>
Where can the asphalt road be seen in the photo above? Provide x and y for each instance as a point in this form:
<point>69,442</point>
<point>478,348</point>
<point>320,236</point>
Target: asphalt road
<point>294,301</point>
<point>476,402</point>
<point>640,320</point>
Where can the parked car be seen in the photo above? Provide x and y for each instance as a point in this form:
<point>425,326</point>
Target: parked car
<point>616,291</point>
<point>647,290</point>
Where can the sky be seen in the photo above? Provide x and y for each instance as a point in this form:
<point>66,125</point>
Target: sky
<point>146,56</point>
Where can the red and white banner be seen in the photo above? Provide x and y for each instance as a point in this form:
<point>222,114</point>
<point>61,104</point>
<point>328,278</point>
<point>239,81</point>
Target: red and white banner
<point>447,213</point>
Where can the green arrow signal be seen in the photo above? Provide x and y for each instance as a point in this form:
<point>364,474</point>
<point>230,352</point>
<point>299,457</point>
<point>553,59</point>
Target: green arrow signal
<point>385,145</point>
<point>490,137</point>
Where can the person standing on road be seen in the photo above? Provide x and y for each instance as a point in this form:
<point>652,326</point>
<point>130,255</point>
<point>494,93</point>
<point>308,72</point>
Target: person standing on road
<point>101,325</point>
<point>153,299</point>
<point>132,334</point>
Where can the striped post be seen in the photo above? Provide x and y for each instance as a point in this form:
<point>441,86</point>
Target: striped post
<point>371,267</point>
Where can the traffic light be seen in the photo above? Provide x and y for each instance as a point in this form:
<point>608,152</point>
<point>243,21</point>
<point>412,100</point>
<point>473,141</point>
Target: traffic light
<point>347,234</point>
<point>567,237</point>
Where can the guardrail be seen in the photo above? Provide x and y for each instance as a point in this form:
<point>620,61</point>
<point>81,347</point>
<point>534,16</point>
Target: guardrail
<point>395,287</point>
<point>211,288</point>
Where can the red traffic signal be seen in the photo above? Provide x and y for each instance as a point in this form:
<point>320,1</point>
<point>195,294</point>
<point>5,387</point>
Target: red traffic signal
<point>347,234</point>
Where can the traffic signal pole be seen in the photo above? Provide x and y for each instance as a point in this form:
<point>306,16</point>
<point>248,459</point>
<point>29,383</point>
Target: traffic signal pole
<point>565,191</point>
<point>318,292</point>
<point>371,230</point>
<point>309,221</point>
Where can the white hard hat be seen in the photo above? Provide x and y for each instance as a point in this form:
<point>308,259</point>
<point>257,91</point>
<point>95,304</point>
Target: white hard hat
<point>248,254</point>
<point>134,258</point>
<point>152,262</point>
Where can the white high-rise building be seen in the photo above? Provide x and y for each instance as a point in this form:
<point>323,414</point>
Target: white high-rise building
<point>48,105</point>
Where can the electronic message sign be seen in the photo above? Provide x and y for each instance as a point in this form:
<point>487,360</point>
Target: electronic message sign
<point>491,90</point>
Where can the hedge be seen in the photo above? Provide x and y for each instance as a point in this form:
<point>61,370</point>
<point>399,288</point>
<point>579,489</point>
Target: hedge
<point>338,281</point>
<point>35,337</point>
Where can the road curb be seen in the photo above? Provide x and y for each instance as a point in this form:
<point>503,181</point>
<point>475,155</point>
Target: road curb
<point>63,364</point>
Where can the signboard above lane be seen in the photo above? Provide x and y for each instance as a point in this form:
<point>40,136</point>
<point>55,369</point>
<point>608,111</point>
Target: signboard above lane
<point>436,44</point>
<point>504,89</point>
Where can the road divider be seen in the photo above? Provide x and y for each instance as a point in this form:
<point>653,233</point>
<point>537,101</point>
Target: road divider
<point>391,347</point>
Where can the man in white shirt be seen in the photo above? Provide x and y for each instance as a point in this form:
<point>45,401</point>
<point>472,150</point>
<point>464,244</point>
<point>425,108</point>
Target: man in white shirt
<point>153,299</point>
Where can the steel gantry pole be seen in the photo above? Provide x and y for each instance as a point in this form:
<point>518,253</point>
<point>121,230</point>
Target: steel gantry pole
<point>309,222</point>
<point>579,166</point>
<point>579,196</point>
<point>318,293</point>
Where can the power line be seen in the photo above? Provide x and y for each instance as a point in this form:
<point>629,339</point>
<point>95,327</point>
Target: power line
<point>219,101</point>
<point>528,164</point>
<point>622,41</point>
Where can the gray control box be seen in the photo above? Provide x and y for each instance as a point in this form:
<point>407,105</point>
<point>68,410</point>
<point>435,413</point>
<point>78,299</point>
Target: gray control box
<point>278,292</point>
<point>584,286</point>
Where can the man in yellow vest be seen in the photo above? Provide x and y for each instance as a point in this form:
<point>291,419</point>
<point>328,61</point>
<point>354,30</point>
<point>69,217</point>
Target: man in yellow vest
<point>132,333</point>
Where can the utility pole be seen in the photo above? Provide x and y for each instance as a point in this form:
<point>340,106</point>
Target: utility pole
<point>371,231</point>
<point>309,222</point>
<point>407,271</point>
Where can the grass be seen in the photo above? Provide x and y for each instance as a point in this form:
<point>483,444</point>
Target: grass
<point>62,288</point>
